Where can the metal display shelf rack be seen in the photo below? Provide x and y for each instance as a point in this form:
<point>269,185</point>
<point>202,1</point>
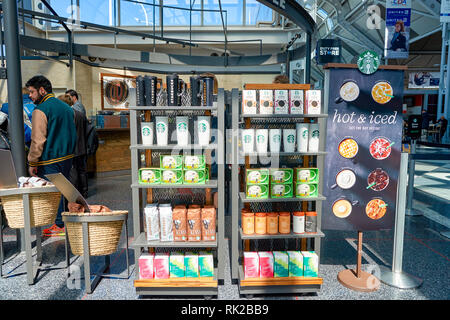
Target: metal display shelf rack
<point>240,241</point>
<point>207,286</point>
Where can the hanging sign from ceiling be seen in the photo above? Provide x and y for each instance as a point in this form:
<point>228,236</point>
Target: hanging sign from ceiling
<point>398,24</point>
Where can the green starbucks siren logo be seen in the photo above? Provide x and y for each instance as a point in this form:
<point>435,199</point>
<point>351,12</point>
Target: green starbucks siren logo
<point>291,138</point>
<point>305,134</point>
<point>260,139</point>
<point>315,133</point>
<point>368,62</point>
<point>202,127</point>
<point>182,127</point>
<point>160,127</point>
<point>146,131</point>
<point>247,138</point>
<point>276,138</point>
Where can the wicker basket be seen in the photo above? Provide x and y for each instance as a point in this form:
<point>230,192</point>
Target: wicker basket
<point>103,236</point>
<point>43,209</point>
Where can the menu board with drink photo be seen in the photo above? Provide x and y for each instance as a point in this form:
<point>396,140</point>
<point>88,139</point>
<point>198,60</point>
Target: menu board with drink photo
<point>363,148</point>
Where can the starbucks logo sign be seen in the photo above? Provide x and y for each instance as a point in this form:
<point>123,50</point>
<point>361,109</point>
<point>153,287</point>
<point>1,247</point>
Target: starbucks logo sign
<point>260,139</point>
<point>305,134</point>
<point>202,127</point>
<point>315,134</point>
<point>368,62</point>
<point>146,131</point>
<point>291,138</point>
<point>160,127</point>
<point>276,138</point>
<point>247,139</point>
<point>182,127</point>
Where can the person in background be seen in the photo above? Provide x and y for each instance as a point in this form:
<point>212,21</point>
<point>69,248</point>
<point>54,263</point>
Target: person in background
<point>76,103</point>
<point>28,107</point>
<point>78,173</point>
<point>425,122</point>
<point>443,124</point>
<point>398,41</point>
<point>281,79</point>
<point>53,139</point>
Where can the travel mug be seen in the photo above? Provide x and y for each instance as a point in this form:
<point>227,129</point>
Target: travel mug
<point>162,130</point>
<point>147,133</point>
<point>289,140</point>
<point>172,89</point>
<point>275,140</point>
<point>262,135</point>
<point>182,124</point>
<point>302,137</point>
<point>314,134</point>
<point>248,140</point>
<point>140,91</point>
<point>204,130</point>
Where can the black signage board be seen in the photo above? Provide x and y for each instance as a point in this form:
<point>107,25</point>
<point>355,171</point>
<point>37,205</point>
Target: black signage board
<point>363,145</point>
<point>414,130</point>
<point>328,51</point>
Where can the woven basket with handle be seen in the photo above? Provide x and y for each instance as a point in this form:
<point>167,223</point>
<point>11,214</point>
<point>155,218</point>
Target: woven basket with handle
<point>104,237</point>
<point>43,209</point>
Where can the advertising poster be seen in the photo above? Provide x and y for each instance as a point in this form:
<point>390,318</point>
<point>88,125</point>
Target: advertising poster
<point>118,92</point>
<point>398,23</point>
<point>364,135</point>
<point>423,80</point>
<point>445,11</point>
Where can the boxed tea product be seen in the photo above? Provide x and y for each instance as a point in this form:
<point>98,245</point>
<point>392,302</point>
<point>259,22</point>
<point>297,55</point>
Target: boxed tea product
<point>281,190</point>
<point>191,264</point>
<point>307,175</point>
<point>176,264</point>
<point>192,176</point>
<point>257,176</point>
<point>258,191</point>
<point>150,175</point>
<point>296,101</point>
<point>280,264</point>
<point>281,175</point>
<point>249,102</point>
<point>171,162</point>
<point>208,217</point>
<point>206,264</point>
<point>265,264</point>
<point>266,102</point>
<point>179,225</point>
<point>310,264</point>
<point>165,222</point>
<point>313,102</point>
<point>306,190</point>
<point>172,176</point>
<point>251,265</point>
<point>151,215</point>
<point>161,265</point>
<point>295,264</point>
<point>194,224</point>
<point>194,162</point>
<point>146,266</point>
<point>281,101</point>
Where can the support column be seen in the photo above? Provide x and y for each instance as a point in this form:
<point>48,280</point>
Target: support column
<point>308,58</point>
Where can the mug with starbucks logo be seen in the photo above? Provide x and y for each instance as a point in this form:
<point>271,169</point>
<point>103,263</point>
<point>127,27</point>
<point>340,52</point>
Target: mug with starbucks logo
<point>275,140</point>
<point>262,137</point>
<point>204,130</point>
<point>307,174</point>
<point>302,136</point>
<point>313,139</point>
<point>305,190</point>
<point>282,190</point>
<point>162,130</point>
<point>289,140</point>
<point>248,140</point>
<point>147,133</point>
<point>182,124</point>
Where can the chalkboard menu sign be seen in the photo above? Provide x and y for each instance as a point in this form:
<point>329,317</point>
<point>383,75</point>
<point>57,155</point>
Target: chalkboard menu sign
<point>364,135</point>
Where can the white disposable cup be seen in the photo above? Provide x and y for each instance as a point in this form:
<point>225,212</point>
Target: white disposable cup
<point>261,140</point>
<point>289,140</point>
<point>248,140</point>
<point>275,140</point>
<point>313,140</point>
<point>204,130</point>
<point>182,124</point>
<point>302,137</point>
<point>162,130</point>
<point>147,133</point>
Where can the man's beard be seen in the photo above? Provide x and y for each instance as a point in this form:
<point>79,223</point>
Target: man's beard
<point>38,99</point>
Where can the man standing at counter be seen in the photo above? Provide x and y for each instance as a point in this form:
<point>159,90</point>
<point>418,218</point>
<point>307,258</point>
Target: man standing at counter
<point>53,138</point>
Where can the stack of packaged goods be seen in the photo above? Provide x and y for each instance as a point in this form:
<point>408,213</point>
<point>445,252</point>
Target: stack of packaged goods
<point>306,182</point>
<point>257,183</point>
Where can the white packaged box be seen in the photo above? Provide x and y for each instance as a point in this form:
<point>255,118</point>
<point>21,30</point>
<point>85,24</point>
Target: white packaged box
<point>313,102</point>
<point>165,222</point>
<point>281,98</point>
<point>151,215</point>
<point>266,102</point>
<point>249,102</point>
<point>296,101</point>
<point>146,270</point>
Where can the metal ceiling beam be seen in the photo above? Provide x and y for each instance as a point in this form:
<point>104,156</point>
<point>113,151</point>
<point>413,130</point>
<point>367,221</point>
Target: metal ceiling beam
<point>432,6</point>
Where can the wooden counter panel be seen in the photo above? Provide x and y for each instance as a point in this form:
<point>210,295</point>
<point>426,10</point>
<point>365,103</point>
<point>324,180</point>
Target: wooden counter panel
<point>113,152</point>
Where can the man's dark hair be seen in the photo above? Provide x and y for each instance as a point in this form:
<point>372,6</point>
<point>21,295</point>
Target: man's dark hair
<point>40,81</point>
<point>72,93</point>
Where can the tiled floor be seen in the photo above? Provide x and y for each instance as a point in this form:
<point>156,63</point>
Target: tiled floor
<point>426,256</point>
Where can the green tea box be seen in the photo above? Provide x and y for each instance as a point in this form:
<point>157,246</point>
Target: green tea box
<point>257,176</point>
<point>260,191</point>
<point>171,162</point>
<point>280,264</point>
<point>197,162</point>
<point>170,176</point>
<point>281,175</point>
<point>150,175</point>
<point>206,264</point>
<point>194,176</point>
<point>295,264</point>
<point>281,190</point>
<point>191,264</point>
<point>310,264</point>
<point>176,264</point>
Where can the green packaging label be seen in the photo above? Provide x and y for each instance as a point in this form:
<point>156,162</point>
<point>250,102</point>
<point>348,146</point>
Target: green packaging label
<point>310,264</point>
<point>260,191</point>
<point>194,162</point>
<point>194,176</point>
<point>176,265</point>
<point>172,176</point>
<point>295,264</point>
<point>306,190</point>
<point>206,264</point>
<point>281,190</point>
<point>171,162</point>
<point>282,175</point>
<point>280,264</point>
<point>257,176</point>
<point>191,264</point>
<point>309,175</point>
<point>150,175</point>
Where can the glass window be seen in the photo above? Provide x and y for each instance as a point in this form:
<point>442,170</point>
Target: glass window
<point>138,14</point>
<point>64,8</point>
<point>256,12</point>
<point>176,17</point>
<point>232,17</point>
<point>99,11</point>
